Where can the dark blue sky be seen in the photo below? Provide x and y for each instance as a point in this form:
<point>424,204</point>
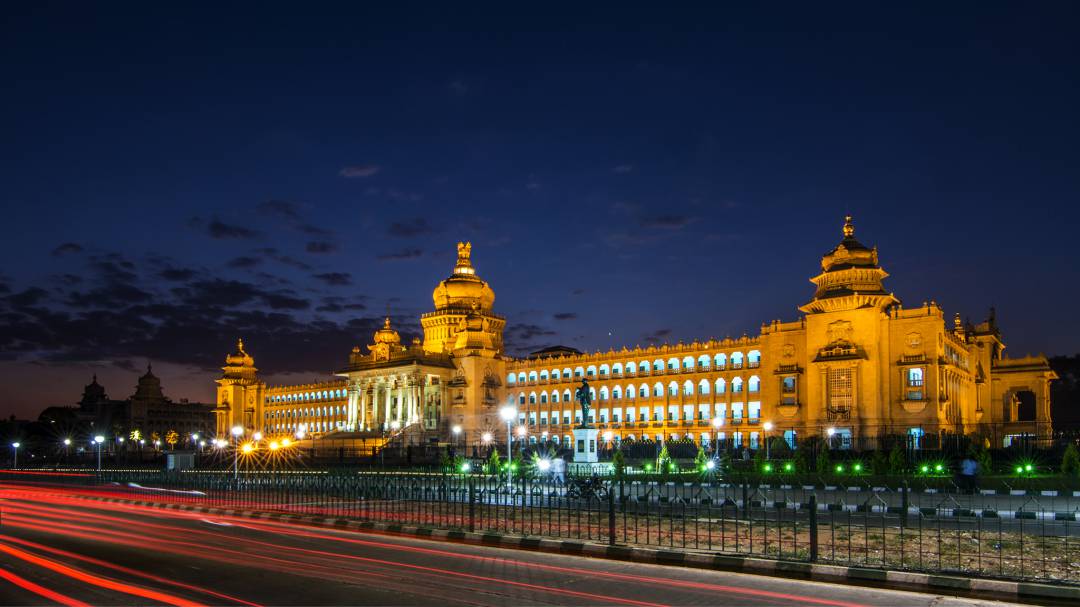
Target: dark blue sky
<point>174,177</point>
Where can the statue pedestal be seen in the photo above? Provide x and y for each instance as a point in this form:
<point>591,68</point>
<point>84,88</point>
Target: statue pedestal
<point>585,447</point>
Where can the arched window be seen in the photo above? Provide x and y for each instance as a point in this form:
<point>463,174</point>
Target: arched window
<point>658,389</point>
<point>591,371</point>
<point>754,358</point>
<point>673,389</point>
<point>721,360</point>
<point>616,368</point>
<point>643,391</point>
<point>521,398</point>
<point>554,396</point>
<point>604,370</point>
<point>543,375</point>
<point>604,393</point>
<point>566,396</point>
<point>616,393</point>
<point>688,362</point>
<point>532,375</point>
<point>737,360</point>
<point>532,398</point>
<point>703,361</point>
<point>754,385</point>
<point>658,365</point>
<point>554,374</point>
<point>688,388</point>
<point>567,374</point>
<point>721,386</point>
<point>543,398</point>
<point>521,377</point>
<point>592,393</point>
<point>703,386</point>
<point>643,366</point>
<point>672,364</point>
<point>631,367</point>
<point>736,385</point>
<point>630,391</point>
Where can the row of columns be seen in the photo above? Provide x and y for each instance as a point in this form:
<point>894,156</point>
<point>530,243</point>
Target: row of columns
<point>371,402</point>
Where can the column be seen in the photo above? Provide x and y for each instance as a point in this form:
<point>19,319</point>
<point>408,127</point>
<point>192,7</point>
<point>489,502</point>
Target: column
<point>389,393</point>
<point>400,401</point>
<point>352,414</point>
<point>363,406</point>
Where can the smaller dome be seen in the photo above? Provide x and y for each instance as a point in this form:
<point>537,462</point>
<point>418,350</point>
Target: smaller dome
<point>387,335</point>
<point>850,252</point>
<point>239,358</point>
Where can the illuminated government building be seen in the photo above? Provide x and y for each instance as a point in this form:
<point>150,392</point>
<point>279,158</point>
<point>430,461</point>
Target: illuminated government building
<point>856,365</point>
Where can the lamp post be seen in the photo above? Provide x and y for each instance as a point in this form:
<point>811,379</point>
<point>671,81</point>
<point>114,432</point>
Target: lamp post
<point>237,432</point>
<point>15,450</point>
<point>521,432</point>
<point>456,431</point>
<point>97,441</point>
<point>830,432</point>
<point>508,413</point>
<point>67,446</point>
<point>767,426</point>
<point>717,423</point>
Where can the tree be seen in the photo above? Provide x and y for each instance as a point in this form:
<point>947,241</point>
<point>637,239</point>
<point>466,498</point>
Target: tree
<point>879,462</point>
<point>799,460</point>
<point>494,463</point>
<point>171,437</point>
<point>759,460</point>
<point>981,454</point>
<point>897,460</point>
<point>824,462</point>
<point>663,461</point>
<point>618,463</point>
<point>1070,461</point>
<point>700,459</point>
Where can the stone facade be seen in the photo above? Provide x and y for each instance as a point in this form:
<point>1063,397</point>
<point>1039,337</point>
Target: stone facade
<point>855,367</point>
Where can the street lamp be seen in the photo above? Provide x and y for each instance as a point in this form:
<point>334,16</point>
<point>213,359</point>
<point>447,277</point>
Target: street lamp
<point>237,432</point>
<point>508,414</point>
<point>456,431</point>
<point>830,431</point>
<point>97,441</point>
<point>767,426</point>
<point>15,449</point>
<point>717,423</point>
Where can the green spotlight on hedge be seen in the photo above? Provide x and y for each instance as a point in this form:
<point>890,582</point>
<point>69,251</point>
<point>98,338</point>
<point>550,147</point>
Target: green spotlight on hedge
<point>648,467</point>
<point>1028,468</point>
<point>768,467</point>
<point>788,467</point>
<point>938,467</point>
<point>858,467</point>
<point>1019,469</point>
<point>925,469</point>
<point>839,468</point>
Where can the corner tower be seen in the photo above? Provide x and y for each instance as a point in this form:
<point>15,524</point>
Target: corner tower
<point>463,304</point>
<point>240,394</point>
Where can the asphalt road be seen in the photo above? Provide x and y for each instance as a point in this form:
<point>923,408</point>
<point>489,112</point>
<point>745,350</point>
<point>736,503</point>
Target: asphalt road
<point>55,549</point>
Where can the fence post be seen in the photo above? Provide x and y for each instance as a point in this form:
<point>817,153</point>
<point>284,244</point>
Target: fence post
<point>611,514</point>
<point>813,528</point>
<point>745,500</point>
<point>472,504</point>
<point>903,504</point>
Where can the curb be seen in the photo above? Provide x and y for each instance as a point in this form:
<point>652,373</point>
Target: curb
<point>907,580</point>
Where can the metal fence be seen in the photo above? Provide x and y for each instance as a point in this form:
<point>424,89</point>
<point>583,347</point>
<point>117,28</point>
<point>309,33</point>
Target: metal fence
<point>1016,537</point>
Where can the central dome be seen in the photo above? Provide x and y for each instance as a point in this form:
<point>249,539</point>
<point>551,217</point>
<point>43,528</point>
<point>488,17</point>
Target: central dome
<point>387,335</point>
<point>463,289</point>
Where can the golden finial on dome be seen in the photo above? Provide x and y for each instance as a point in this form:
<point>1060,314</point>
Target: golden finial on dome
<point>240,345</point>
<point>464,261</point>
<point>386,323</point>
<point>849,228</point>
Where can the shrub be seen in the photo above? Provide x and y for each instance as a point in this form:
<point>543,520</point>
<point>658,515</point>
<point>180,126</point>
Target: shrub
<point>824,462</point>
<point>879,462</point>
<point>1070,461</point>
<point>618,462</point>
<point>493,463</point>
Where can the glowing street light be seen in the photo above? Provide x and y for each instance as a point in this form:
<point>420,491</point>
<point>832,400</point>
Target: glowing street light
<point>247,448</point>
<point>97,441</point>
<point>717,423</point>
<point>15,448</point>
<point>767,426</point>
<point>544,465</point>
<point>274,445</point>
<point>257,436</point>
<point>508,414</point>
<point>285,442</point>
<point>486,438</point>
<point>521,431</point>
<point>237,432</point>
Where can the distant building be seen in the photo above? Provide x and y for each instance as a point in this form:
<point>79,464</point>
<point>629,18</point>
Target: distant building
<point>148,410</point>
<point>855,368</point>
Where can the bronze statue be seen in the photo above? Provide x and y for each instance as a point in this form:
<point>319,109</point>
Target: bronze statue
<point>584,397</point>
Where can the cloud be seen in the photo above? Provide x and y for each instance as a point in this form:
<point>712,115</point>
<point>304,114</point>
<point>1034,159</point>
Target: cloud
<point>359,171</point>
<point>244,262</point>
<point>335,279</point>
<point>220,230</point>
<point>67,247</point>
<point>666,222</point>
<point>282,208</point>
<point>402,254</point>
<point>526,332</point>
<point>320,247</point>
<point>177,274</point>
<point>277,256</point>
<point>577,292</point>
<point>623,169</point>
<point>409,228</point>
<point>657,336</point>
<point>564,315</point>
<point>313,230</point>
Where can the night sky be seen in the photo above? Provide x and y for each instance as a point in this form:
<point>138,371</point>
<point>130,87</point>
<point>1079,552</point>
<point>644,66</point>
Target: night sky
<point>177,177</point>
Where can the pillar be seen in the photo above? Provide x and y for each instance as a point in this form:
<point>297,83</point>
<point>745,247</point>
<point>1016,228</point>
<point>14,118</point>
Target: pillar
<point>352,415</point>
<point>388,394</point>
<point>363,406</point>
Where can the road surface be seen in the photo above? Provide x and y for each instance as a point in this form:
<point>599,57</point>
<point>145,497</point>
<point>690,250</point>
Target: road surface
<point>56,549</point>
